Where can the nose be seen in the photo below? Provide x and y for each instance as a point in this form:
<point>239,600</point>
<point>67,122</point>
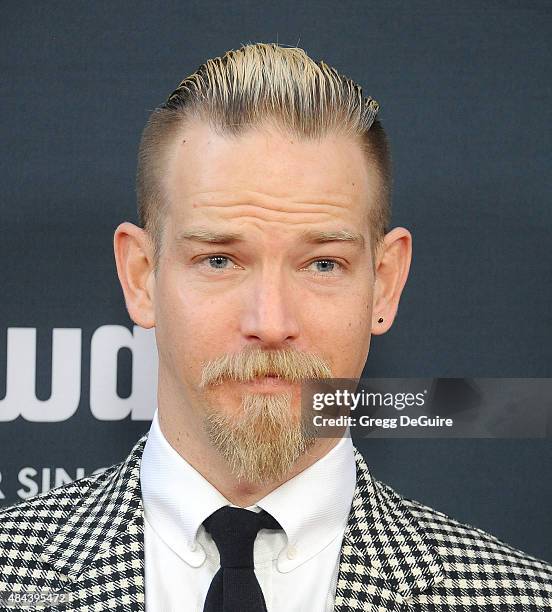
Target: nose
<point>269,315</point>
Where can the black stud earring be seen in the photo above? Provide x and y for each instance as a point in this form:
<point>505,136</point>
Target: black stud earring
<point>380,320</point>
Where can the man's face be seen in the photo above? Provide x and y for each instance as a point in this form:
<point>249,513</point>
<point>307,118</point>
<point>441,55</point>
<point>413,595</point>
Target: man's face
<point>252,260</point>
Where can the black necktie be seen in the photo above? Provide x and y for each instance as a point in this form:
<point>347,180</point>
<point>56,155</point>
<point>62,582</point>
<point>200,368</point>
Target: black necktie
<point>235,587</point>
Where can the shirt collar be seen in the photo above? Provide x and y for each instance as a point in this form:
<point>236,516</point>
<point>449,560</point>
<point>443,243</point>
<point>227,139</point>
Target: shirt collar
<point>312,507</point>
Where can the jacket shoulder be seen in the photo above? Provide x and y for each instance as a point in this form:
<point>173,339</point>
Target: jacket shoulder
<point>27,525</point>
<point>453,536</point>
<point>475,560</point>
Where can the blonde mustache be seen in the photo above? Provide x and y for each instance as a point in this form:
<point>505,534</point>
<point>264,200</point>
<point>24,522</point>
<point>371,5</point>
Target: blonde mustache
<point>288,364</point>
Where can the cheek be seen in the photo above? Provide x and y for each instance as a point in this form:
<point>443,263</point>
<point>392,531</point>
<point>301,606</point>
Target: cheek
<point>340,330</point>
<point>190,326</point>
<point>341,313</point>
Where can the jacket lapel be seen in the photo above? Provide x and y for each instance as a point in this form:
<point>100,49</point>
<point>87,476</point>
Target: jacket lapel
<point>386,555</point>
<point>98,553</point>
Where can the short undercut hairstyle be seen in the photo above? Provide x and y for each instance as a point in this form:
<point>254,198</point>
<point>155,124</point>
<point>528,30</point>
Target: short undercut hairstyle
<point>246,88</point>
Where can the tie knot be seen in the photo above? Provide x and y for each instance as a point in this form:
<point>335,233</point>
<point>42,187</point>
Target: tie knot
<point>234,531</point>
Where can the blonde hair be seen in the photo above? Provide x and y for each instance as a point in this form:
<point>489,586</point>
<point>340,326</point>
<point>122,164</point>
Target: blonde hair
<point>243,89</point>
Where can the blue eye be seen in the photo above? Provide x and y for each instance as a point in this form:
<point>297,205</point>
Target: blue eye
<point>326,266</point>
<point>219,261</point>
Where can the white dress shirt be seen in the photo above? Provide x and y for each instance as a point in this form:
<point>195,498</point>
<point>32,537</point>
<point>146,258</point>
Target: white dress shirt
<point>296,568</point>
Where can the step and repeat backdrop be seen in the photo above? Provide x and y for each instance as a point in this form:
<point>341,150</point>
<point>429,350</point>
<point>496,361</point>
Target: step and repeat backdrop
<point>465,98</point>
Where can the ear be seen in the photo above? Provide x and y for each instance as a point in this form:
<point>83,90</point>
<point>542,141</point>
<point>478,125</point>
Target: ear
<point>134,260</point>
<point>392,266</point>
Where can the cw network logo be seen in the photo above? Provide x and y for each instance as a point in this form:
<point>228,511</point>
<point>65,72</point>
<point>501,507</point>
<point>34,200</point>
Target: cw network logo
<point>105,403</point>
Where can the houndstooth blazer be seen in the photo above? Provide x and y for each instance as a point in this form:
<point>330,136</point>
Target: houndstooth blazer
<point>85,542</point>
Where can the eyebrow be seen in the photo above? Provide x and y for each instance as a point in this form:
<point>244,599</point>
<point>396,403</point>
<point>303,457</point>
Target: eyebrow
<point>204,235</point>
<point>311,236</point>
<point>320,237</point>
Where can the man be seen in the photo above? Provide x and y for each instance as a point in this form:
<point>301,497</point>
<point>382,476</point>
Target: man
<point>264,258</point>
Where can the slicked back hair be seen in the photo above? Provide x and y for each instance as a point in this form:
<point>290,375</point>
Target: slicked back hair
<point>248,87</point>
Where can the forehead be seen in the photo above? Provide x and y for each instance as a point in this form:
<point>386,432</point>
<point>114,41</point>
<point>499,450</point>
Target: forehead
<point>284,177</point>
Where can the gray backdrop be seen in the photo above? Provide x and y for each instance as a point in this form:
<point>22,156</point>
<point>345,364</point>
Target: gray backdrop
<point>465,95</point>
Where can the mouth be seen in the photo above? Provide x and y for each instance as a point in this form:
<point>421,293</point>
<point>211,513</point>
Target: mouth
<point>268,381</point>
